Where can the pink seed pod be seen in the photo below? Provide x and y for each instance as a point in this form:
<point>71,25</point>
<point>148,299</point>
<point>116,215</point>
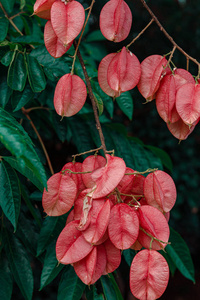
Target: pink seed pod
<point>67,20</point>
<point>70,95</point>
<point>180,130</point>
<point>60,196</point>
<point>69,243</point>
<point>149,275</point>
<point>152,71</point>
<point>154,223</point>
<point>75,167</point>
<point>54,46</point>
<point>42,8</point>
<point>123,71</point>
<point>160,190</point>
<point>113,256</point>
<point>123,227</point>
<point>188,103</point>
<point>115,20</point>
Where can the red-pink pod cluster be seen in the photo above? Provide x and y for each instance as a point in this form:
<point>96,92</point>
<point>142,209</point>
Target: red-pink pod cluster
<point>42,8</point>
<point>149,275</point>
<point>119,72</point>
<point>70,95</point>
<point>115,20</point>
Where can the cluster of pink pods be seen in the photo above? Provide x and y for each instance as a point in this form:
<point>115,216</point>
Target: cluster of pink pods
<point>113,208</point>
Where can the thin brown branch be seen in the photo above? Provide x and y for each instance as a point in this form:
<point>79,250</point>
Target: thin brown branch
<point>167,34</point>
<point>171,56</point>
<point>40,139</point>
<point>140,33</point>
<point>91,95</point>
<point>18,14</point>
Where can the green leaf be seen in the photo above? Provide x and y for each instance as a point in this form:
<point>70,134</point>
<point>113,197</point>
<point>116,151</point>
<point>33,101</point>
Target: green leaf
<point>129,254</point>
<point>10,198</point>
<point>8,5</point>
<point>6,281</point>
<point>4,23</point>
<point>110,288</point>
<point>99,103</point>
<point>164,157</point>
<point>180,255</point>
<point>22,4</point>
<point>21,99</point>
<point>95,36</point>
<point>70,287</point>
<point>91,293</point>
<point>50,268</point>
<point>17,73</point>
<point>17,141</point>
<point>20,266</point>
<point>36,75</point>
<point>5,92</point>
<point>125,103</point>
<point>171,265</point>
<point>7,58</point>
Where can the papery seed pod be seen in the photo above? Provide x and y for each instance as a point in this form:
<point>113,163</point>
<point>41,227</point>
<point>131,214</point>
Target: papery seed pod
<point>69,243</point>
<point>123,71</point>
<point>60,196</point>
<point>123,227</point>
<point>154,223</point>
<point>149,275</point>
<point>75,167</point>
<point>188,102</point>
<point>91,163</point>
<point>70,95</point>
<point>152,71</point>
<point>160,190</point>
<point>42,8</point>
<point>54,46</point>
<point>115,20</point>
<point>67,20</point>
<point>180,130</point>
<point>113,257</point>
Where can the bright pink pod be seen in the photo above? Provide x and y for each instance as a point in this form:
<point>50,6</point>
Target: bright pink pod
<point>60,194</point>
<point>100,215</point>
<point>153,223</point>
<point>107,178</point>
<point>69,243</point>
<point>113,257</point>
<point>67,20</point>
<point>123,227</point>
<point>160,190</point>
<point>123,71</point>
<point>115,20</point>
<point>91,163</point>
<point>149,275</point>
<point>152,71</point>
<point>70,95</point>
<point>180,130</point>
<point>75,167</point>
<point>42,8</point>
<point>90,268</point>
<point>188,103</point>
<point>182,76</point>
<point>54,46</point>
<point>102,75</point>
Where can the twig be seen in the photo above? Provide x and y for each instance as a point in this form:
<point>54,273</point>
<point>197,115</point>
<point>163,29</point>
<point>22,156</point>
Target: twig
<point>40,139</point>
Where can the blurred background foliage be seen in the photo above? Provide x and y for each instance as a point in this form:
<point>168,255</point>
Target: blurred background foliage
<point>28,78</point>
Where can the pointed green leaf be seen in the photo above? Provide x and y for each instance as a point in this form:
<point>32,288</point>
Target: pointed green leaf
<point>4,23</point>
<point>91,293</point>
<point>110,288</point>
<point>36,75</point>
<point>21,99</point>
<point>10,198</point>
<point>7,58</point>
<point>8,5</point>
<point>17,73</point>
<point>164,157</point>
<point>5,92</point>
<point>20,266</point>
<point>6,281</point>
<point>51,268</point>
<point>171,265</point>
<point>180,255</point>
<point>125,103</point>
<point>70,287</point>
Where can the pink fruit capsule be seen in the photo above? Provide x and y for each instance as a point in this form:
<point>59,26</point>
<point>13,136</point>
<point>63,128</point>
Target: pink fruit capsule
<point>42,8</point>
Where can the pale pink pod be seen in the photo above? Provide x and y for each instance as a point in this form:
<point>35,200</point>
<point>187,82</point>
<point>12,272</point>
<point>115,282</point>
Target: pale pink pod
<point>154,223</point>
<point>67,20</point>
<point>90,268</point>
<point>182,76</point>
<point>70,95</point>
<point>188,102</point>
<point>102,75</point>
<point>60,194</point>
<point>42,8</point>
<point>54,46</point>
<point>91,163</point>
<point>75,167</point>
<point>160,190</point>
<point>123,227</point>
<point>113,257</point>
<point>69,243</point>
<point>149,275</point>
<point>152,71</point>
<point>180,130</point>
<point>115,20</point>
<point>123,71</point>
